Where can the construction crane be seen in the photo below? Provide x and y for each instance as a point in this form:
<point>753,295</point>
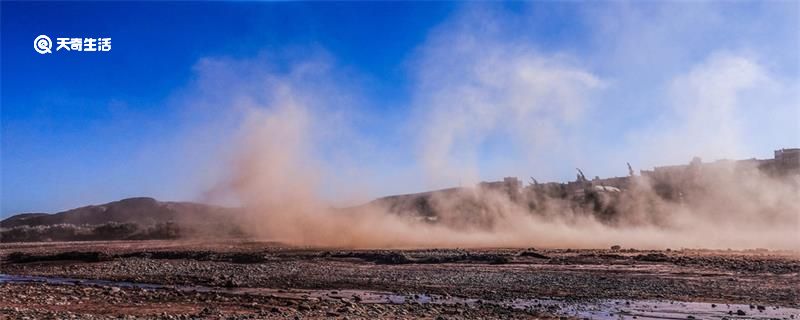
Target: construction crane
<point>630,169</point>
<point>581,177</point>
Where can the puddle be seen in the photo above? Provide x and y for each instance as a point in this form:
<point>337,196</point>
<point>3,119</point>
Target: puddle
<point>661,309</point>
<point>583,309</point>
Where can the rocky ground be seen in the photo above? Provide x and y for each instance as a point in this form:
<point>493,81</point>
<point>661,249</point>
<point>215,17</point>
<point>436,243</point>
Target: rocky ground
<point>268,280</point>
<point>40,301</point>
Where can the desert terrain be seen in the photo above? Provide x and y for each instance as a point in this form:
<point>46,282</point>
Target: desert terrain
<point>235,279</point>
<point>615,248</point>
<point>400,160</point>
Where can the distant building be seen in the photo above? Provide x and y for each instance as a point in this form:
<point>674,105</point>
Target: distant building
<point>509,185</point>
<point>786,161</point>
<point>672,181</point>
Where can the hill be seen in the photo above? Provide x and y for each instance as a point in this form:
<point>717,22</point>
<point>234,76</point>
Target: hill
<point>133,218</point>
<point>144,211</point>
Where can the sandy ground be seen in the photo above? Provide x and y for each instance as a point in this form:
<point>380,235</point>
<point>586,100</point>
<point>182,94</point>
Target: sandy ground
<point>234,279</point>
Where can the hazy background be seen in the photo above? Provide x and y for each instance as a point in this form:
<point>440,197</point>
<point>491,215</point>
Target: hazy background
<point>381,98</point>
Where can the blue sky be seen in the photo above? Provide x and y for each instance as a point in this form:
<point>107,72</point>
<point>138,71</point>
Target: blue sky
<point>519,89</point>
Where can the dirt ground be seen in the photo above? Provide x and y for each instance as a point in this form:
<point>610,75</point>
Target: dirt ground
<point>235,279</point>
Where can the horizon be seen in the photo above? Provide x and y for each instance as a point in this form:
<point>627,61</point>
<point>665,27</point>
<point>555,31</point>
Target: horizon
<point>356,204</point>
<point>393,101</point>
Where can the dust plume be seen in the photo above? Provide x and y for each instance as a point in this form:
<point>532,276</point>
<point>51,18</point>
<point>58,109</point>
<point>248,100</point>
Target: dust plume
<point>277,178</point>
<point>480,94</point>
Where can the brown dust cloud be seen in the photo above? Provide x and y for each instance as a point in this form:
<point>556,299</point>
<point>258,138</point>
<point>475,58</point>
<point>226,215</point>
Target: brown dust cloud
<point>296,153</point>
<point>277,180</point>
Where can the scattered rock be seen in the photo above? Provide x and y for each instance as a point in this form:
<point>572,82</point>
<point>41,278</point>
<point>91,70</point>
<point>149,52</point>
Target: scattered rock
<point>652,257</point>
<point>532,253</point>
